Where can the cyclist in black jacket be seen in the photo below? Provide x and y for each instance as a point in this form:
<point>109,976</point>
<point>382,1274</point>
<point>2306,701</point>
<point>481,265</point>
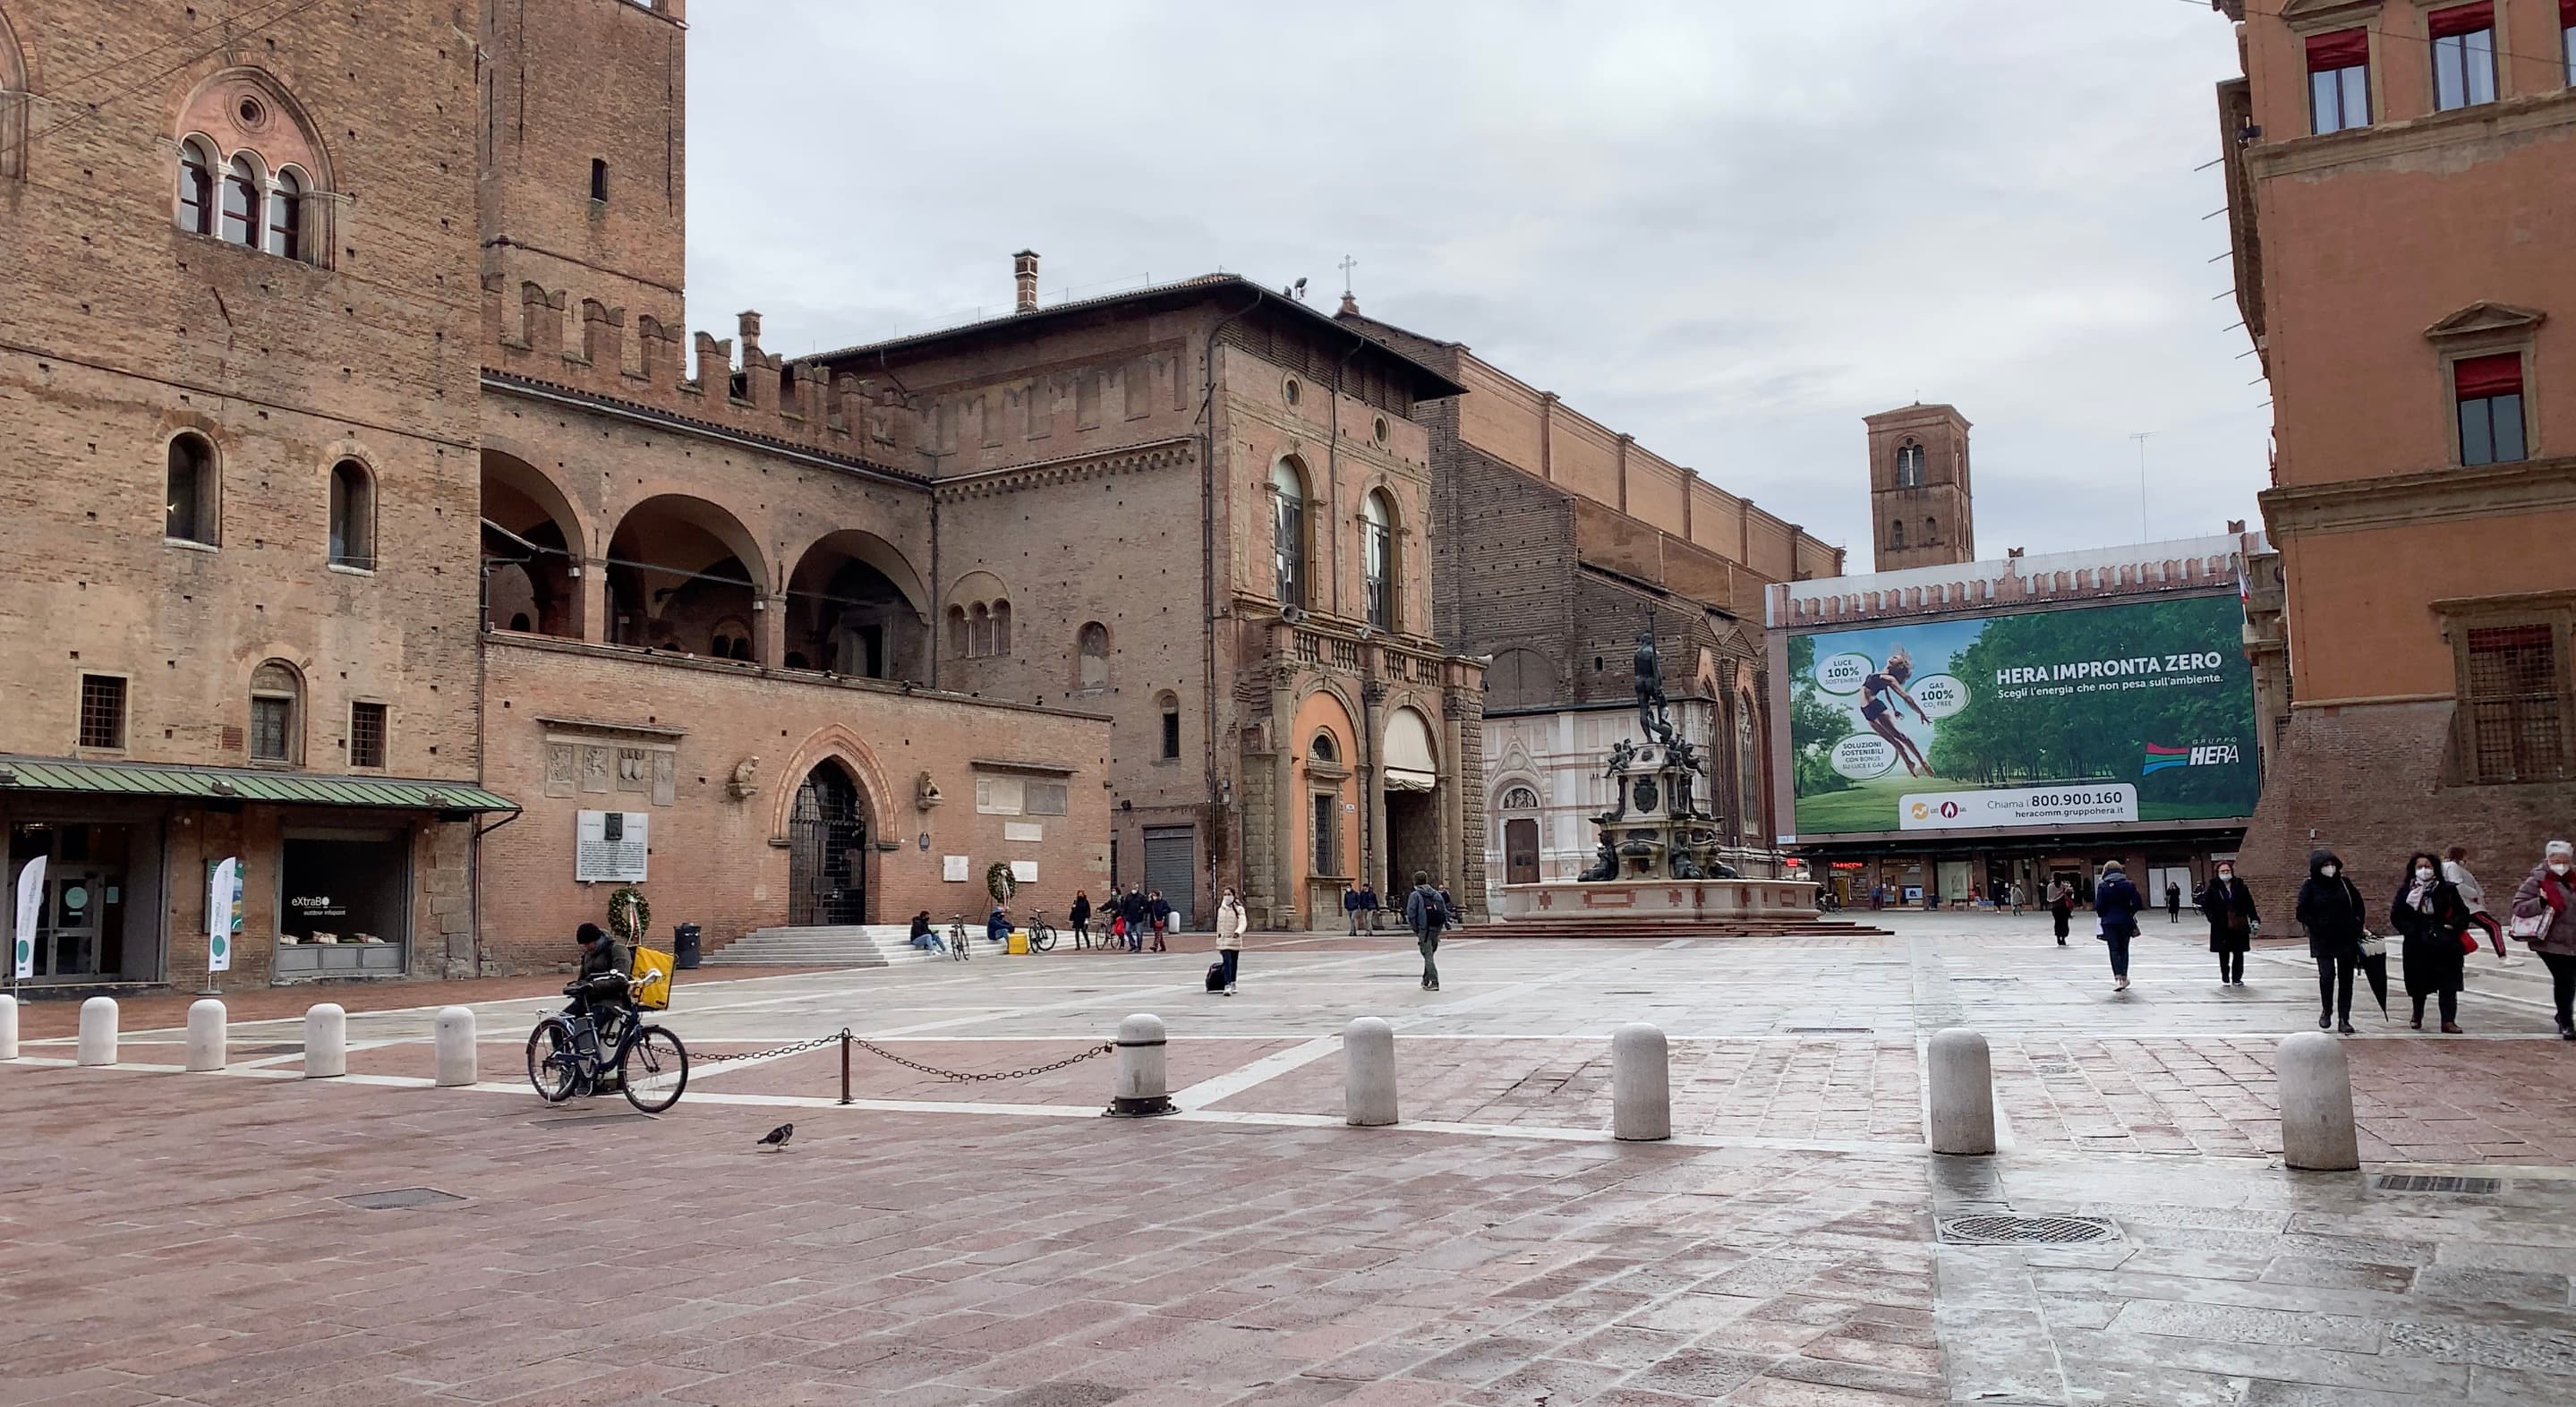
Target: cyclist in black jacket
<point>599,989</point>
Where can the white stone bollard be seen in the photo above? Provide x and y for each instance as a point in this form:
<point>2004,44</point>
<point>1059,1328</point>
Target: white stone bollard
<point>326,1041</point>
<point>1141,1090</point>
<point>8,1028</point>
<point>98,1031</point>
<point>1963,1093</point>
<point>1368,1073</point>
<point>205,1035</point>
<point>455,1046</point>
<point>2317,1132</point>
<point>1641,1084</point>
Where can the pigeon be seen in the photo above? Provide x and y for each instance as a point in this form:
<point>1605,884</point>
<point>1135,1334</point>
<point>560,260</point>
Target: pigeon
<point>777,1137</point>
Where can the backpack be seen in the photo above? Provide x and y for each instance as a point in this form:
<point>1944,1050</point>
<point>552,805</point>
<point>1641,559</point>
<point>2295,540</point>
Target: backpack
<point>1435,914</point>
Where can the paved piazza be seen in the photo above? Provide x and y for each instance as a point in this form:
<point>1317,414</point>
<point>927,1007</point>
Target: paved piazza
<point>168,1238</point>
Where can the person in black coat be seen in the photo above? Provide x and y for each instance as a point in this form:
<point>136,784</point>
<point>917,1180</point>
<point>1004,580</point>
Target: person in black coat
<point>2118,901</point>
<point>2435,919</point>
<point>1080,916</point>
<point>1132,909</point>
<point>2229,907</point>
<point>2330,908</point>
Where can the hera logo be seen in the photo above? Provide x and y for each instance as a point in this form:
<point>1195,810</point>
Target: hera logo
<point>2161,758</point>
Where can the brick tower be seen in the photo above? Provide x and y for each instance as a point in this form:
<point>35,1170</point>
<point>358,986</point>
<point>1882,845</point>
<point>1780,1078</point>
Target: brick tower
<point>1921,509</point>
<point>583,155</point>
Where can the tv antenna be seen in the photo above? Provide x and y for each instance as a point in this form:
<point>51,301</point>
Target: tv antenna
<point>2141,438</point>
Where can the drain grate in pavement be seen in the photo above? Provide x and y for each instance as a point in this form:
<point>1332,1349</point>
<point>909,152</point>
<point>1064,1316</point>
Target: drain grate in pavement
<point>399,1197</point>
<point>1829,1030</point>
<point>287,1049</point>
<point>2419,1182</point>
<point>2027,1230</point>
<point>2051,1067</point>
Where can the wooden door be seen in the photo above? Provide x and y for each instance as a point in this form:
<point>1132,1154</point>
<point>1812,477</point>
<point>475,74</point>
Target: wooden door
<point>1520,851</point>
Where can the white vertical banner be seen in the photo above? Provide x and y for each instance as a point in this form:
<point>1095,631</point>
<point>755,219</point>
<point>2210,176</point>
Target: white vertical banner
<point>31,906</point>
<point>223,914</point>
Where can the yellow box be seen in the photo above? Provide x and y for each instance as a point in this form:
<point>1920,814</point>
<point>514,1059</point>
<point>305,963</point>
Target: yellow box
<point>1017,945</point>
<point>651,984</point>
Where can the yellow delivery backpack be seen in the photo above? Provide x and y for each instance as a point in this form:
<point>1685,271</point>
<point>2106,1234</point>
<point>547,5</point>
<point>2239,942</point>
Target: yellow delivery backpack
<point>651,984</point>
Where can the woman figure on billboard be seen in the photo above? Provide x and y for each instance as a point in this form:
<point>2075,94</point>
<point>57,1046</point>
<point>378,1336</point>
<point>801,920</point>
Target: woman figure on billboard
<point>1880,715</point>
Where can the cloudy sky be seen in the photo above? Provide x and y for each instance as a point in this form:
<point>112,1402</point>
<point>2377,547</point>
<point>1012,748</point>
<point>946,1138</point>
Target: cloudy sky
<point>1730,229</point>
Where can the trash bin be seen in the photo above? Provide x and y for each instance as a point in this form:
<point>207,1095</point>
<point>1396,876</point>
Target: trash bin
<point>684,945</point>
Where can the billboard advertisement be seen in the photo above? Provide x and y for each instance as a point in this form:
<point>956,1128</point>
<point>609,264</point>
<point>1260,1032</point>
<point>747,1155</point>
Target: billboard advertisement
<point>2079,716</point>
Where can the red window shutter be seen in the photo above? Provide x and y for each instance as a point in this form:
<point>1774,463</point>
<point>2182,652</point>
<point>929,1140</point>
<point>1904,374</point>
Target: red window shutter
<point>2567,13</point>
<point>2479,377</point>
<point>2462,19</point>
<point>2345,48</point>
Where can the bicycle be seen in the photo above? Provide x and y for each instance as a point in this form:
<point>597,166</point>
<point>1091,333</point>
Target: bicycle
<point>957,947</point>
<point>566,1058</point>
<point>1041,933</point>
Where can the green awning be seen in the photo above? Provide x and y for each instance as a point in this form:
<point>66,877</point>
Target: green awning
<point>54,774</point>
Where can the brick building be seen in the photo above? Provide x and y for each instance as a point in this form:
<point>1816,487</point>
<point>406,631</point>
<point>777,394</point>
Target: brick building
<point>1557,540</point>
<point>1921,502</point>
<point>318,332</point>
<point>2397,178</point>
<point>413,559</point>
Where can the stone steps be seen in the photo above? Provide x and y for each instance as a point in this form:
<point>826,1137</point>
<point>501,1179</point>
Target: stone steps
<point>835,945</point>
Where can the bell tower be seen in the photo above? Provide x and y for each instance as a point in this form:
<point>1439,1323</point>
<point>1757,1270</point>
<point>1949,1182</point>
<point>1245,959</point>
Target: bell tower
<point>1922,513</point>
<point>582,160</point>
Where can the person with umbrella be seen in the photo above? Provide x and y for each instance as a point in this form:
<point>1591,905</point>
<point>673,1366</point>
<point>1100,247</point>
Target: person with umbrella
<point>2330,908</point>
<point>2435,919</point>
<point>2229,907</point>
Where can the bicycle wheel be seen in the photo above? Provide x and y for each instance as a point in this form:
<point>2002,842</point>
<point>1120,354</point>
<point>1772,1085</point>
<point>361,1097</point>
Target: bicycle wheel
<point>1041,937</point>
<point>553,1066</point>
<point>654,1068</point>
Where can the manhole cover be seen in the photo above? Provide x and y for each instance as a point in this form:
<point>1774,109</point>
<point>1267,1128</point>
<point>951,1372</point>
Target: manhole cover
<point>2418,1182</point>
<point>2027,1230</point>
<point>401,1197</point>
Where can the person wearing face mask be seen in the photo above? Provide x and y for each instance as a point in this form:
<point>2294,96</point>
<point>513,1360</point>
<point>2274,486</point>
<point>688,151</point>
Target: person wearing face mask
<point>2330,908</point>
<point>1230,924</point>
<point>2430,912</point>
<point>2229,907</point>
<point>2540,919</point>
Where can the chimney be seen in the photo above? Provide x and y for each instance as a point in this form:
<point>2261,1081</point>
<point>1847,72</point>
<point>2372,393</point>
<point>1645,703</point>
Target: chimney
<point>1024,272</point>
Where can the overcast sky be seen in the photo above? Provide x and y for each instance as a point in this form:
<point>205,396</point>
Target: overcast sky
<point>1730,229</point>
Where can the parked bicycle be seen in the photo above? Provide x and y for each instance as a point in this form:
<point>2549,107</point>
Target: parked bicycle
<point>569,1055</point>
<point>957,947</point>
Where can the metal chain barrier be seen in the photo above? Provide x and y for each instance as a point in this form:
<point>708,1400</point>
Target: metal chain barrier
<point>845,1040</point>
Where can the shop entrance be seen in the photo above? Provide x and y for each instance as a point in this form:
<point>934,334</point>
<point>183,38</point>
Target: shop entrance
<point>827,841</point>
<point>80,928</point>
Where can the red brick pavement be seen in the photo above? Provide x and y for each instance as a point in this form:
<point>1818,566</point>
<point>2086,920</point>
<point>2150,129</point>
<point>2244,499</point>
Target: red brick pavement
<point>174,1239</point>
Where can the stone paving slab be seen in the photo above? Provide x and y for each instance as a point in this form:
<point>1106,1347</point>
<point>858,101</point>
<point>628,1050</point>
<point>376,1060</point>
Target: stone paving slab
<point>186,1245</point>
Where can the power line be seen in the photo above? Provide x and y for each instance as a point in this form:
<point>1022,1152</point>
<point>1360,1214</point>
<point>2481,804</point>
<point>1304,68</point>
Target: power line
<point>226,23</point>
<point>92,109</point>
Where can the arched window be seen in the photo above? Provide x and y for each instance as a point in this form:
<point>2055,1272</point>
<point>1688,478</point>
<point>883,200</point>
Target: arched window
<point>1377,558</point>
<point>276,713</point>
<point>243,196</point>
<point>1169,705</point>
<point>1001,644</point>
<point>353,516</point>
<point>1909,465</point>
<point>957,644</point>
<point>979,632</point>
<point>1748,759</point>
<point>1091,656</point>
<point>1896,532</point>
<point>1324,749</point>
<point>1288,533</point>
<point>1520,799</point>
<point>1931,532</point>
<point>286,215</point>
<point>196,187</point>
<point>189,502</point>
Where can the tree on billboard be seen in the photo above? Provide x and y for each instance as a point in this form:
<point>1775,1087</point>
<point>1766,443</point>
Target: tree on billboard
<point>2102,730</point>
<point>1814,725</point>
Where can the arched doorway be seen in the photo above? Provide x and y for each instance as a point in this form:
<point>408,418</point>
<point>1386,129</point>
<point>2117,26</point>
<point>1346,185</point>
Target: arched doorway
<point>1411,776</point>
<point>827,848</point>
<point>852,609</point>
